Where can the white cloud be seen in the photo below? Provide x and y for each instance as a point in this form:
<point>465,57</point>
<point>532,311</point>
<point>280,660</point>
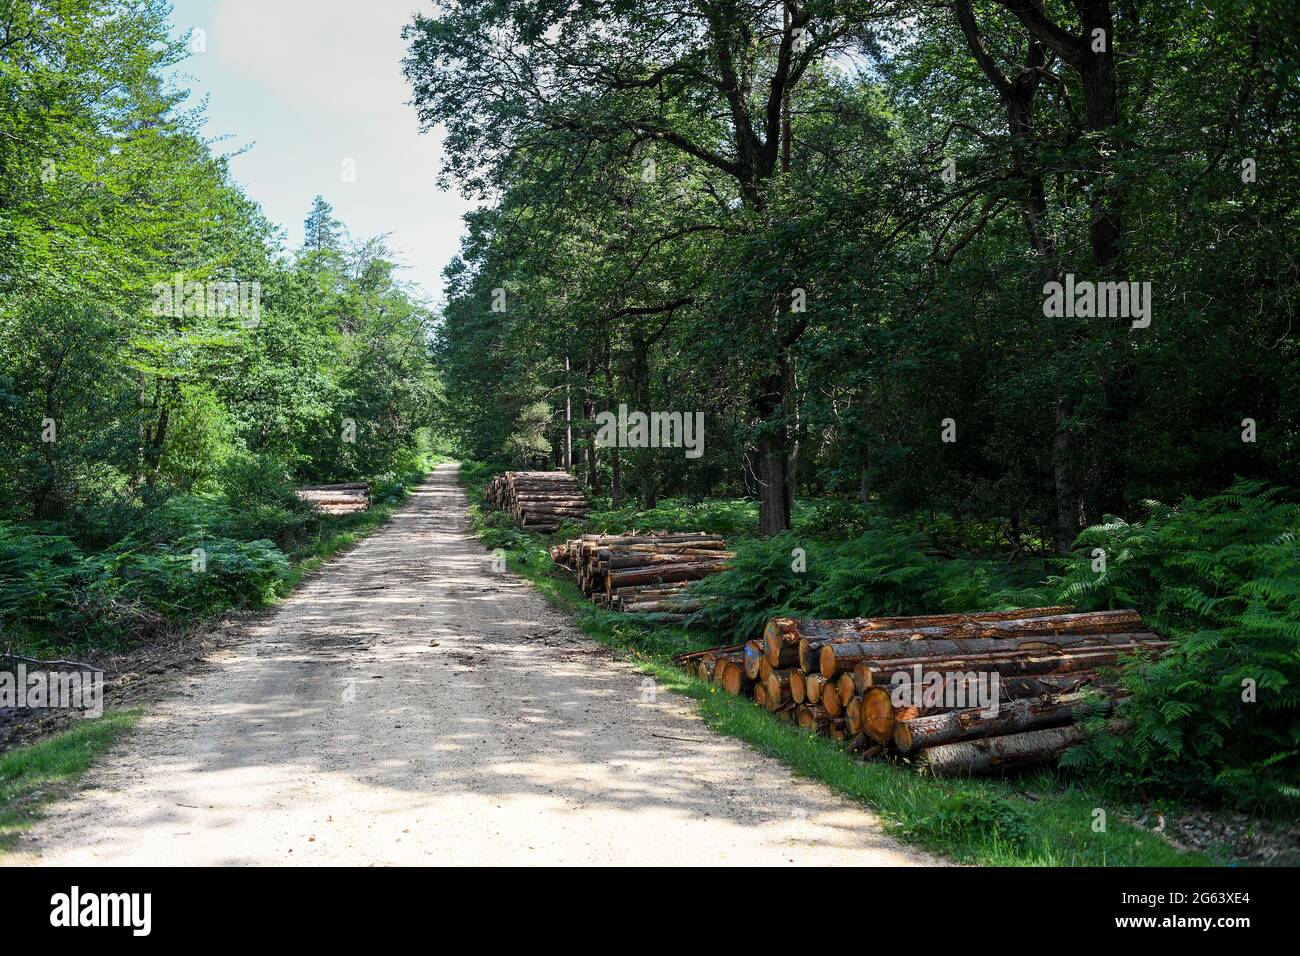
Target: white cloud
<point>346,55</point>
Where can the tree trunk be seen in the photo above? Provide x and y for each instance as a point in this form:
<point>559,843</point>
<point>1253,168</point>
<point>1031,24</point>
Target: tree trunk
<point>1028,713</point>
<point>593,470</point>
<point>1028,664</point>
<point>835,658</point>
<point>773,451</point>
<point>974,757</point>
<point>641,393</point>
<point>568,417</point>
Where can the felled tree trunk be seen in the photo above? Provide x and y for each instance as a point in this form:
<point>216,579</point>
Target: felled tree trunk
<point>968,758</point>
<point>1012,716</point>
<point>834,658</point>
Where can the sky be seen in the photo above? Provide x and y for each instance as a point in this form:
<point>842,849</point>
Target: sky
<point>307,85</point>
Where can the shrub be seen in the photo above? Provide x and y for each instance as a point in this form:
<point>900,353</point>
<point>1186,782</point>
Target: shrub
<point>880,572</point>
<point>1221,578</point>
<point>176,583</point>
<point>835,520</point>
<point>37,580</point>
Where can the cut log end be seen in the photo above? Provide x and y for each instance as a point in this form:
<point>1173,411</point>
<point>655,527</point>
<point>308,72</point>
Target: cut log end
<point>878,715</point>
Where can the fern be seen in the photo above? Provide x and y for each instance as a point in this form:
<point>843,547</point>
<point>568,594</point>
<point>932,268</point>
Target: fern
<point>1221,578</point>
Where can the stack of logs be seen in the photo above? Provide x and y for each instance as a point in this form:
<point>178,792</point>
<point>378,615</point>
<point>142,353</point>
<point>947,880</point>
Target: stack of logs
<point>646,572</point>
<point>337,499</point>
<point>538,500</point>
<point>865,681</point>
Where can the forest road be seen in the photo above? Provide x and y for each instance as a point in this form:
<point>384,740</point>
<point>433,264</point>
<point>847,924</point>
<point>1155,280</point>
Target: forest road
<point>407,705</point>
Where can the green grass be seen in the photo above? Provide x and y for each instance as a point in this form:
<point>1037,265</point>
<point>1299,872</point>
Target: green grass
<point>1041,819</point>
<point>34,775</point>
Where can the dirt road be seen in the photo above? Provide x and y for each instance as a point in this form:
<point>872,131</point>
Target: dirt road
<point>341,734</point>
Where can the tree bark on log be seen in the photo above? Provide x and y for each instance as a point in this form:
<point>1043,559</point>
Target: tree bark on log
<point>791,630</point>
<point>675,572</point>
<point>1013,665</point>
<point>834,658</point>
<point>991,754</point>
<point>1027,713</point>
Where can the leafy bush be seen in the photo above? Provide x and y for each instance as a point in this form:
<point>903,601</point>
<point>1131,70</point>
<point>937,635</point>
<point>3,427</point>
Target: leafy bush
<point>835,520</point>
<point>731,518</point>
<point>880,572</point>
<point>498,530</point>
<point>194,578</point>
<point>37,573</point>
<point>1221,578</point>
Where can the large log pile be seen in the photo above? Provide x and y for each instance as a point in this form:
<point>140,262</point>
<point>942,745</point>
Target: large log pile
<point>337,499</point>
<point>647,572</point>
<point>919,686</point>
<point>538,500</point>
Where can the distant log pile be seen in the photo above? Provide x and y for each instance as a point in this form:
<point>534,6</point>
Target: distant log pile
<point>923,687</point>
<point>538,500</point>
<point>337,499</point>
<point>644,572</point>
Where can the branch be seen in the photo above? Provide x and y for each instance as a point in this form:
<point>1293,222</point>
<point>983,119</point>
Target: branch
<point>1062,42</point>
<point>979,49</point>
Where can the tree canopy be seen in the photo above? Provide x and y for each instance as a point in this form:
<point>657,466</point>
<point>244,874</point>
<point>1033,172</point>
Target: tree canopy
<point>833,227</point>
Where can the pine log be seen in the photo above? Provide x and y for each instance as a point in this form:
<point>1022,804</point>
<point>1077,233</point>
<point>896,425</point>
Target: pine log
<point>811,717</point>
<point>790,630</point>
<point>798,685</point>
<point>830,700</point>
<point>853,715</point>
<point>924,698</point>
<point>1009,717</point>
<point>753,654</point>
<point>644,607</point>
<point>618,561</point>
<point>709,652</point>
<point>833,658</point>
<point>822,633</point>
<point>861,678</point>
<point>733,679</point>
<point>844,687</point>
<point>777,685</point>
<point>877,715</point>
<point>1013,751</point>
<point>675,572</point>
<point>813,684</point>
<point>1026,664</point>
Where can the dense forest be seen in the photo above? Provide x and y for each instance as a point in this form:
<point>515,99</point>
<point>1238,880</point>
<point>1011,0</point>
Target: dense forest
<point>171,365</point>
<point>949,283</point>
<point>829,227</point>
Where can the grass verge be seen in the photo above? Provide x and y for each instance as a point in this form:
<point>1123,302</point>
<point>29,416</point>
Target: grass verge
<point>38,773</point>
<point>1038,819</point>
